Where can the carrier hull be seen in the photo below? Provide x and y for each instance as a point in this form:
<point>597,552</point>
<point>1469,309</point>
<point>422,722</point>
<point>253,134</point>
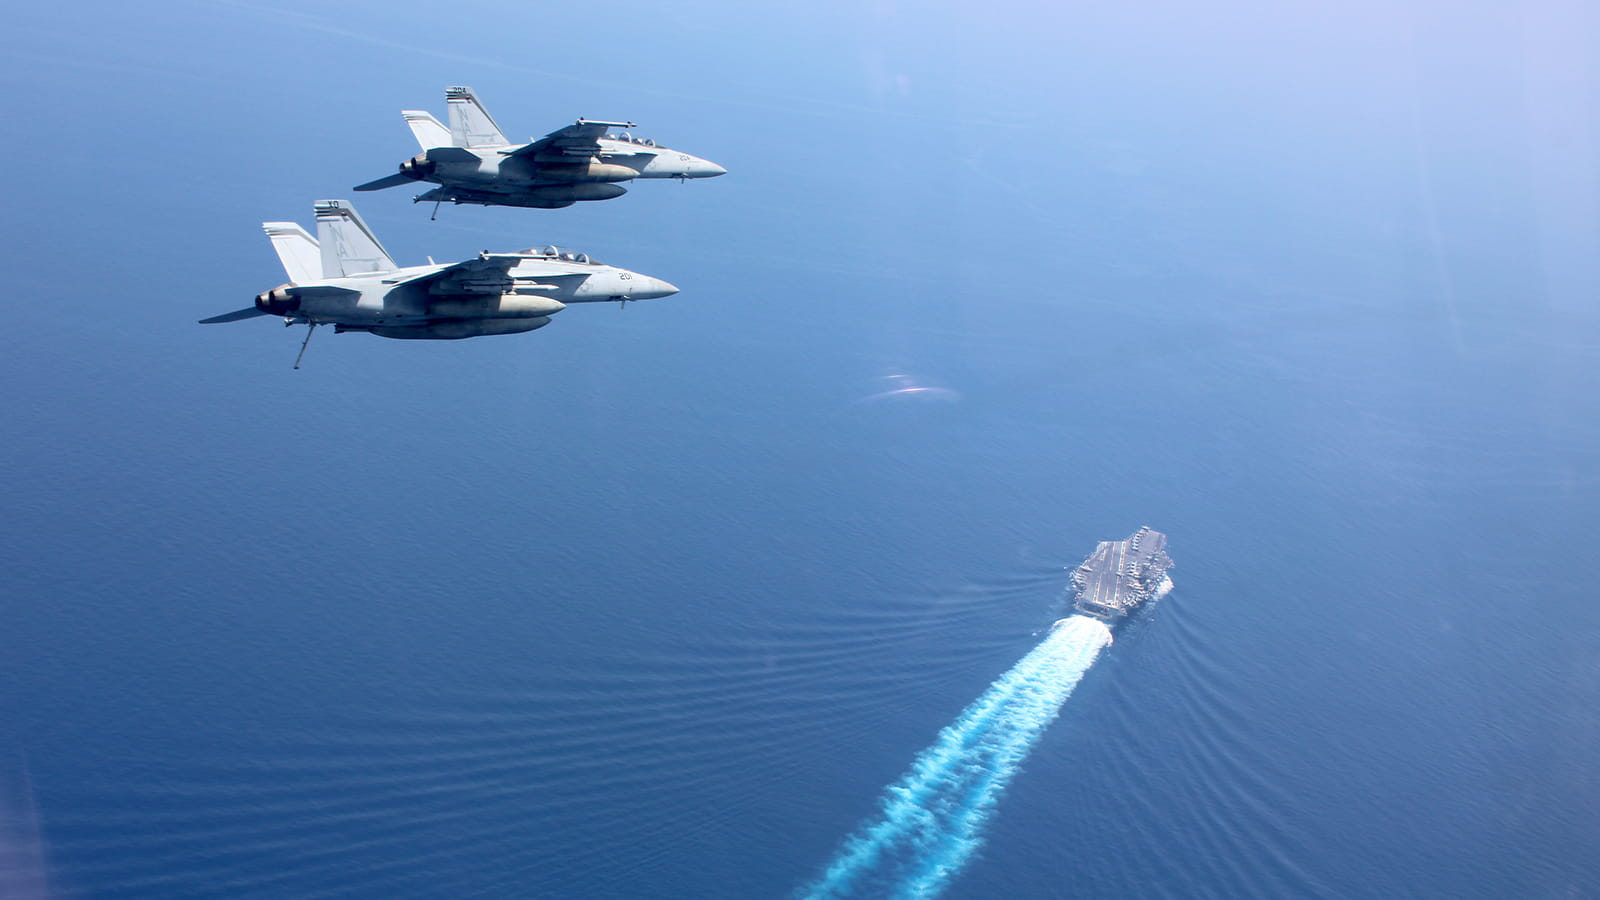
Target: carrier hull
<point>1120,576</point>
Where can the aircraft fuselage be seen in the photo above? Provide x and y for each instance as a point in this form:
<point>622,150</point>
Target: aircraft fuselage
<point>405,303</point>
<point>476,174</point>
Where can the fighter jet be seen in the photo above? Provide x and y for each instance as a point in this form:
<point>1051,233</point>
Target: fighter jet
<point>473,162</point>
<point>344,278</point>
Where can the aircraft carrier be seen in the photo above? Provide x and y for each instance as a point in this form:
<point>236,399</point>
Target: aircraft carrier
<point>1120,575</point>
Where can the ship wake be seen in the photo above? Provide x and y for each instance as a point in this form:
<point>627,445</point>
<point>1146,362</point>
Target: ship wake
<point>931,821</point>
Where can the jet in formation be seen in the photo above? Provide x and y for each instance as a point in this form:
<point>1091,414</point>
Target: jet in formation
<point>343,277</point>
<point>473,162</point>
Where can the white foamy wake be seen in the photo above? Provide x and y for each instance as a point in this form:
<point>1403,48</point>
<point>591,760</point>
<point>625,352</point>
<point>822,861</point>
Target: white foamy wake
<point>931,820</point>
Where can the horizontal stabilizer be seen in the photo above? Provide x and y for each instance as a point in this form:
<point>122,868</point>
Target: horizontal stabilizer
<point>387,181</point>
<point>238,315</point>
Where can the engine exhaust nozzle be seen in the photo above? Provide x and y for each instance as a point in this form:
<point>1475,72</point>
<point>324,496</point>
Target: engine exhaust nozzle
<point>278,301</point>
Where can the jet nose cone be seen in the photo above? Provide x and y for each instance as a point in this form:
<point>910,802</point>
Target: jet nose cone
<point>708,169</point>
<point>654,288</point>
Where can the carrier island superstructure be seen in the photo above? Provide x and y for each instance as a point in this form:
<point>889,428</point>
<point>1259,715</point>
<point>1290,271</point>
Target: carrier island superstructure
<point>1120,575</point>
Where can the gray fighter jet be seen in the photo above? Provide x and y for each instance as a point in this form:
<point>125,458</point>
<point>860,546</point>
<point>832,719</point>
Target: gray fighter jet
<point>474,163</point>
<point>344,278</point>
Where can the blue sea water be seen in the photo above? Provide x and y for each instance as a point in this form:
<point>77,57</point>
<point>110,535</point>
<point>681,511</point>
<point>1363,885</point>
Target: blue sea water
<point>656,602</point>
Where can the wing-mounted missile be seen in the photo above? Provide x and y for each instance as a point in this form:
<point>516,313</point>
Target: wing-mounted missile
<point>576,142</point>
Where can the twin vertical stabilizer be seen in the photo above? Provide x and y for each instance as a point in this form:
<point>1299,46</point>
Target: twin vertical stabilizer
<point>429,132</point>
<point>348,246</point>
<point>344,246</point>
<point>297,250</point>
<point>470,124</point>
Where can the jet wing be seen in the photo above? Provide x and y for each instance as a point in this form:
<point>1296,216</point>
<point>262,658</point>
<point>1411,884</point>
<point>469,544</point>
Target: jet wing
<point>579,140</point>
<point>489,273</point>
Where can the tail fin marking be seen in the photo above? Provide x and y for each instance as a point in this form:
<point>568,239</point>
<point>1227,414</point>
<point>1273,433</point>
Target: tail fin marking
<point>470,124</point>
<point>348,245</point>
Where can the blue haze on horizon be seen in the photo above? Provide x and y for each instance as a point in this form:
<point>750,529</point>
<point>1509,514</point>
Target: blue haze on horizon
<point>652,603</point>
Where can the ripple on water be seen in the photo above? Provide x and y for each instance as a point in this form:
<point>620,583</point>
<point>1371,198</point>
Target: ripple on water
<point>657,746</point>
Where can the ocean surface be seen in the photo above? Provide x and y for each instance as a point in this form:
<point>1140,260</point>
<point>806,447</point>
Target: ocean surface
<point>658,601</point>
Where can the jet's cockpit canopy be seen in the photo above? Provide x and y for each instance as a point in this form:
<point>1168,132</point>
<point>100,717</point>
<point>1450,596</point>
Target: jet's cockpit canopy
<point>627,137</point>
<point>564,254</point>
